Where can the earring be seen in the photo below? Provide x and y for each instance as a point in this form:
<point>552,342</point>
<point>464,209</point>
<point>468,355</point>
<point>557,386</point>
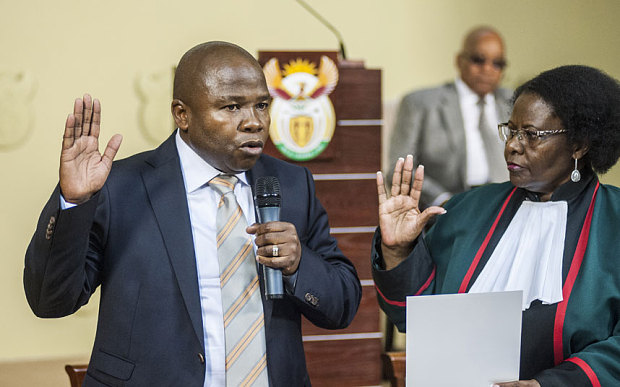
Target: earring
<point>575,176</point>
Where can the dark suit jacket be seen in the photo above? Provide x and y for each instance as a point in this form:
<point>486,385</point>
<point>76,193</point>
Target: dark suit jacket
<point>134,238</point>
<point>430,126</point>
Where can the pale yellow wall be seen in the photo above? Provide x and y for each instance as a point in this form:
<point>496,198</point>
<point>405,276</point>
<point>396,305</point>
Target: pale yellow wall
<point>67,47</point>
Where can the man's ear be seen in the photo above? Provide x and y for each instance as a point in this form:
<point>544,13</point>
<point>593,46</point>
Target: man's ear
<point>181,114</point>
<point>457,60</point>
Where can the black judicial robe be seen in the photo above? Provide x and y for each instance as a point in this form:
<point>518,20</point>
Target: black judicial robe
<point>572,343</point>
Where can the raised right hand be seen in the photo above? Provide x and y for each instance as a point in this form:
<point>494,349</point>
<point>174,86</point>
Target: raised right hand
<point>400,218</point>
<point>83,170</point>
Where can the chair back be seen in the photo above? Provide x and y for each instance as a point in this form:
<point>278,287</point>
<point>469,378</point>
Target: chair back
<point>76,374</point>
<point>394,365</point>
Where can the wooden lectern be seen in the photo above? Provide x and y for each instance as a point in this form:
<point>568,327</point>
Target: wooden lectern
<point>345,183</point>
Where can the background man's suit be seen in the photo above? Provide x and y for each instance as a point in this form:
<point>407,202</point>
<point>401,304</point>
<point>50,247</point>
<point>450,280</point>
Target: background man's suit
<point>429,126</point>
<point>134,237</point>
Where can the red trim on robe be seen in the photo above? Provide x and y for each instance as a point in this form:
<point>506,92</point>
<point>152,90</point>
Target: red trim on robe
<point>404,303</point>
<point>586,368</point>
<point>476,261</point>
<point>395,303</point>
<point>427,283</point>
<point>560,314</point>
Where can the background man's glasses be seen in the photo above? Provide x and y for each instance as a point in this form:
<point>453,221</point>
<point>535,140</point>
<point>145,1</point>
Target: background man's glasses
<point>480,60</point>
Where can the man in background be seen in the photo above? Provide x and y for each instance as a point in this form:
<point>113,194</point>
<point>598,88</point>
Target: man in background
<point>165,234</point>
<point>452,129</point>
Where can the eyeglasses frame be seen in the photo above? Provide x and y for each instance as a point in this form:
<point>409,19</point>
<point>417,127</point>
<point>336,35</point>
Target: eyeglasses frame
<point>537,133</point>
<point>480,60</point>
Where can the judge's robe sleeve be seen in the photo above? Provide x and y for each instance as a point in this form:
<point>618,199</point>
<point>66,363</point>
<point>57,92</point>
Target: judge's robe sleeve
<point>414,276</point>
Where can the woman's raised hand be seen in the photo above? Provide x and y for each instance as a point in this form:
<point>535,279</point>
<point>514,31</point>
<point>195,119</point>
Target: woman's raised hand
<point>400,218</point>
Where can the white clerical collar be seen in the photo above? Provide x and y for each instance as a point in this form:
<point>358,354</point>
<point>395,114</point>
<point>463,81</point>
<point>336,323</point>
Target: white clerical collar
<point>529,255</point>
<point>196,171</point>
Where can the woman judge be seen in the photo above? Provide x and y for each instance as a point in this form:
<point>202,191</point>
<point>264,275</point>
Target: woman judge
<point>552,231</point>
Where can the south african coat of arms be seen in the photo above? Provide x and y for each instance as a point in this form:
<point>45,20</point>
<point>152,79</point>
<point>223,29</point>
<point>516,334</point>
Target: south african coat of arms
<point>302,116</point>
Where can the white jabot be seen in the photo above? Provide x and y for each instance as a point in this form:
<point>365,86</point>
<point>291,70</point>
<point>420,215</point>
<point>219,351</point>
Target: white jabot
<point>529,255</point>
<point>203,201</point>
<point>477,168</point>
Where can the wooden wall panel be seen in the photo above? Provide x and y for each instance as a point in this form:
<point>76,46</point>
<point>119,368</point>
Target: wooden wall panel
<point>357,95</point>
<point>349,203</point>
<point>356,246</point>
<point>344,363</point>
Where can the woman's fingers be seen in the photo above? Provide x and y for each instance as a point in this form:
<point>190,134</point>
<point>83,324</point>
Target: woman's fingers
<point>382,195</point>
<point>418,182</point>
<point>430,213</point>
<point>396,178</point>
<point>405,184</point>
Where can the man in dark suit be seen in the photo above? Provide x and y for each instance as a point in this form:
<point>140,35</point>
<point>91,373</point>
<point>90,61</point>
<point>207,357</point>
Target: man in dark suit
<point>452,129</point>
<point>144,229</point>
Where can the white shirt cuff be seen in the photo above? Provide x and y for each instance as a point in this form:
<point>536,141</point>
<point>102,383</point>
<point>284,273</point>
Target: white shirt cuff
<point>65,205</point>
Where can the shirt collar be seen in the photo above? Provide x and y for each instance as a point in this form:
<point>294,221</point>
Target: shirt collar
<point>469,96</point>
<point>196,171</point>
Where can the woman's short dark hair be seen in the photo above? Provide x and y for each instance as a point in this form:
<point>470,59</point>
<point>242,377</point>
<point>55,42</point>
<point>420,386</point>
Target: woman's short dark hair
<point>587,101</point>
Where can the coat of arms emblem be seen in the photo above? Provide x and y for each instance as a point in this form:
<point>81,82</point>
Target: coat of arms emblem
<point>302,116</point>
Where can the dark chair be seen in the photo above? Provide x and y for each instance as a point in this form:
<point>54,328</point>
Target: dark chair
<point>76,374</point>
<point>394,366</point>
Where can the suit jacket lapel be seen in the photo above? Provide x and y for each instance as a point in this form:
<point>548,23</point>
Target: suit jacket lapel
<point>502,104</point>
<point>258,171</point>
<point>452,120</point>
<point>164,184</point>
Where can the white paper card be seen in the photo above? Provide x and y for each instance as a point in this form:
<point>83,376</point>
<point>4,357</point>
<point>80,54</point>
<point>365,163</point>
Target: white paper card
<point>465,340</point>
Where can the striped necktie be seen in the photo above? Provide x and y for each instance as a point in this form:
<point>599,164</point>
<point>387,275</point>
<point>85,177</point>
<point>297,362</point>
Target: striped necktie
<point>244,327</point>
<point>493,147</point>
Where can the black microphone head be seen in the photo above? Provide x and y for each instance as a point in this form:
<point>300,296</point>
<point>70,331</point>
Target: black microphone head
<point>267,192</point>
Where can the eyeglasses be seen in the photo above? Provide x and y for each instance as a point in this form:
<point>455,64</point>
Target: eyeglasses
<point>480,60</point>
<point>530,136</point>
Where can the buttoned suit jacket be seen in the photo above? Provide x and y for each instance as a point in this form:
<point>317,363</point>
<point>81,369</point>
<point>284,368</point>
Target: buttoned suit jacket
<point>429,126</point>
<point>134,240</point>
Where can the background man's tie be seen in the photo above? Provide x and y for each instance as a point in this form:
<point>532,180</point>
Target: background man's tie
<point>244,327</point>
<point>493,148</point>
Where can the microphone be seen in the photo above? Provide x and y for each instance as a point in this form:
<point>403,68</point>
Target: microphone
<point>326,24</point>
<point>267,201</point>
